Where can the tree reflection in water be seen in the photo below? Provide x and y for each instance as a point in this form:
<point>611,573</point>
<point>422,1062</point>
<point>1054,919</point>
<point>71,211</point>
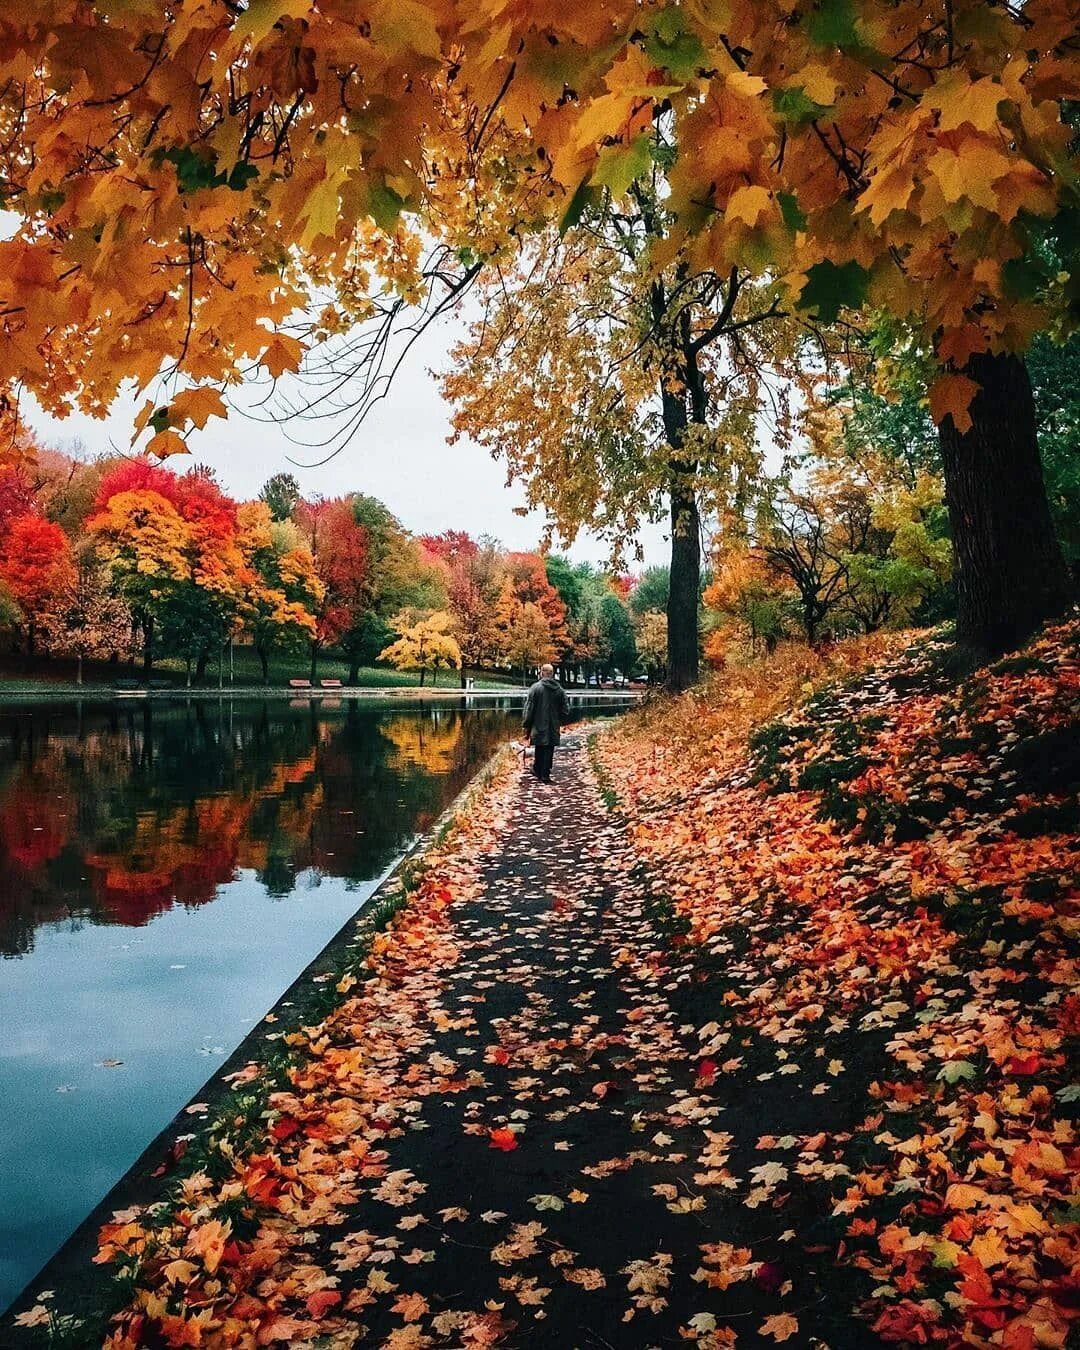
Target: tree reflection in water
<point>112,813</point>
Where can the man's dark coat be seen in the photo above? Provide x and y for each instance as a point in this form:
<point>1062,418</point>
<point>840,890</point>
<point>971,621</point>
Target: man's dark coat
<point>546,709</point>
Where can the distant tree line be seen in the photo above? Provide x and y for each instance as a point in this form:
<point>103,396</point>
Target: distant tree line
<point>124,560</point>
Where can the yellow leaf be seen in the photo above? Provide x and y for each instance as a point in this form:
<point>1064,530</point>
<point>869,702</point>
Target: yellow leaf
<point>321,211</point>
<point>141,419</point>
<point>961,1195</point>
<point>748,204</point>
<point>198,405</point>
<point>959,100</point>
<point>950,396</point>
<point>261,15</point>
<point>405,25</point>
<point>969,173</point>
<point>167,443</point>
<point>890,190</point>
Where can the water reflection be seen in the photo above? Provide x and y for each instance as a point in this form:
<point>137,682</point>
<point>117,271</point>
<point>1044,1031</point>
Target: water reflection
<point>166,871</point>
<point>113,813</point>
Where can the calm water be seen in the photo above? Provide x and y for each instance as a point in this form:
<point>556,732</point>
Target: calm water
<point>166,871</point>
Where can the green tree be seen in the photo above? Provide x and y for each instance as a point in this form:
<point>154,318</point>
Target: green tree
<point>281,493</point>
<point>651,591</point>
<point>618,636</point>
<point>1055,378</point>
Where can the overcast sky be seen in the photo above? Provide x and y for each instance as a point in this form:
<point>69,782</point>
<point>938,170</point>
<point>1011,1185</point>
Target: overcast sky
<point>400,456</point>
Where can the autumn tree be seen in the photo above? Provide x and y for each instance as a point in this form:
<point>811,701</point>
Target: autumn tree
<point>280,608</point>
<point>524,632</point>
<point>650,632</point>
<point>611,385</point>
<point>338,545</point>
<point>424,643</point>
<point>36,568</point>
<point>89,620</point>
<point>528,575</point>
<point>400,575</point>
<point>475,572</point>
<point>174,550</point>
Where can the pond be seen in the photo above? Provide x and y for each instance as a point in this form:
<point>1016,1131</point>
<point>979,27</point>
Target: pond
<point>167,869</point>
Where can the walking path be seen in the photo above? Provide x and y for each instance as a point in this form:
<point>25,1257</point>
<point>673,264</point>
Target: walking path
<point>505,1136</point>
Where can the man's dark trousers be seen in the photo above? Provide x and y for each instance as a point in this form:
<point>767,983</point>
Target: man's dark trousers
<point>542,758</point>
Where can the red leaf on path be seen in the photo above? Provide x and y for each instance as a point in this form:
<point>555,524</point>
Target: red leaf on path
<point>1021,1066</point>
<point>284,1128</point>
<point>506,1140</point>
<point>769,1276</point>
<point>706,1072</point>
<point>320,1303</point>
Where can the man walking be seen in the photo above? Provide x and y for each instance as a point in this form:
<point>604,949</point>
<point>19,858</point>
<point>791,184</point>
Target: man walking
<point>546,709</point>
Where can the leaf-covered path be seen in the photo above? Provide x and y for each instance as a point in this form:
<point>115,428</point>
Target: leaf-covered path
<point>563,1180</point>
<point>509,1129</point>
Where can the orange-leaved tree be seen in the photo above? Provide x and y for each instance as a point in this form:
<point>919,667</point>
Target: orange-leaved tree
<point>36,567</point>
<point>187,178</point>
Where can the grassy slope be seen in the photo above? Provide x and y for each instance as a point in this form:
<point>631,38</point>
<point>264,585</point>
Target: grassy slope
<point>18,675</point>
<point>880,901</point>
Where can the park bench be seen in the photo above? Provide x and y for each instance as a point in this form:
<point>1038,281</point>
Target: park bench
<point>330,684</point>
<point>299,684</point>
<point>161,684</point>
<point>126,683</point>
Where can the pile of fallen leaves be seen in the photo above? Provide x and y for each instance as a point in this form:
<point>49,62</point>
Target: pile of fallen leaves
<point>881,905</point>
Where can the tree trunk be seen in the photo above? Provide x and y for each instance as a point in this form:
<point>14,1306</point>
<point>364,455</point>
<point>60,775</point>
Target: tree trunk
<point>148,647</point>
<point>354,672</point>
<point>423,672</point>
<point>682,610</point>
<point>1010,574</point>
<point>314,661</point>
<point>464,681</point>
<point>200,665</point>
<point>264,663</point>
<point>78,669</point>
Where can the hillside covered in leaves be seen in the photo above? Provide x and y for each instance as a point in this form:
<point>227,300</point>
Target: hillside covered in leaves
<point>879,911</point>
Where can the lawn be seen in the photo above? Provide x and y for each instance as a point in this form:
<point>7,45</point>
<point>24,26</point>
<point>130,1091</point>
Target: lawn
<point>35,675</point>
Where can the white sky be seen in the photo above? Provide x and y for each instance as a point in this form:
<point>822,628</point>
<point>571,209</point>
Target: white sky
<point>400,456</point>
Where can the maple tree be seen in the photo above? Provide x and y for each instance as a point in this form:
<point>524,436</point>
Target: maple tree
<point>611,385</point>
<point>524,632</point>
<point>176,554</point>
<point>280,608</point>
<point>36,568</point>
<point>911,156</point>
<point>86,619</point>
<point>424,643</point>
<point>338,544</point>
<point>475,574</point>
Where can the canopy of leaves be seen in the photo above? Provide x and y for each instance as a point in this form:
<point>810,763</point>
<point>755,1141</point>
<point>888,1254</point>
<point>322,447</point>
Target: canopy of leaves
<point>193,174</point>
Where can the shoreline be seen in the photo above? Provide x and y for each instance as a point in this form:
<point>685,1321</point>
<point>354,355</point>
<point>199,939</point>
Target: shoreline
<point>82,1286</point>
<point>414,693</point>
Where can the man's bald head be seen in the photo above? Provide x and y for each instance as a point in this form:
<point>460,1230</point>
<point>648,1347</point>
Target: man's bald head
<point>547,670</point>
